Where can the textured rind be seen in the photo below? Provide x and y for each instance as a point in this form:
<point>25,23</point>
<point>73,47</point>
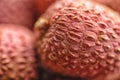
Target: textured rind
<point>84,41</point>
<point>17,56</point>
<point>17,12</point>
<point>60,4</point>
<point>44,20</point>
<point>114,4</point>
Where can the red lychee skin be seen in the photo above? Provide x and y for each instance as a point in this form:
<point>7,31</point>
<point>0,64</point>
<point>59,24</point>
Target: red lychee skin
<point>83,40</point>
<point>58,5</point>
<point>114,4</point>
<point>17,56</point>
<point>44,20</point>
<point>42,5</point>
<point>19,12</point>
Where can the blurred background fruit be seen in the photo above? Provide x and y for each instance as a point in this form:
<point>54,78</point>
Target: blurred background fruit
<point>19,12</point>
<point>17,56</point>
<point>114,4</point>
<point>42,5</point>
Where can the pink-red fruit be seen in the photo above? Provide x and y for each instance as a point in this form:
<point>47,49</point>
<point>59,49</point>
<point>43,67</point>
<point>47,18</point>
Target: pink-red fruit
<point>17,12</point>
<point>114,4</point>
<point>42,5</point>
<point>82,40</point>
<point>17,56</point>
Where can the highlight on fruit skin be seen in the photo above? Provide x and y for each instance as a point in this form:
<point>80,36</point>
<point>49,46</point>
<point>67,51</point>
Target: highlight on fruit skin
<point>114,4</point>
<point>17,57</point>
<point>82,40</point>
<point>20,12</point>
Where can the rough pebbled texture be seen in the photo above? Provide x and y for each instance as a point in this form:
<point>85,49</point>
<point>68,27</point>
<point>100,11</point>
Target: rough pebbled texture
<point>83,40</point>
<point>114,4</point>
<point>17,57</point>
<point>58,5</point>
<point>17,12</point>
<point>44,20</point>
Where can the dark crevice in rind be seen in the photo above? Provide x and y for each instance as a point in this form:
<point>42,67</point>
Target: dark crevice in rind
<point>46,75</point>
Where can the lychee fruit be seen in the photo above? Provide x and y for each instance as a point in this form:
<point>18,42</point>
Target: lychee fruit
<point>114,4</point>
<point>19,12</point>
<point>42,5</point>
<point>81,39</point>
<point>17,57</point>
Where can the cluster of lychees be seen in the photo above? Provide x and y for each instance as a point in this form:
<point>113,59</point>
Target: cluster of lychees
<point>59,40</point>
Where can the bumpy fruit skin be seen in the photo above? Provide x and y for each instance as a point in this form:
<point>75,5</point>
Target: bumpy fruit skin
<point>42,5</point>
<point>114,4</point>
<point>82,40</point>
<point>17,57</point>
<point>44,20</point>
<point>17,12</point>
